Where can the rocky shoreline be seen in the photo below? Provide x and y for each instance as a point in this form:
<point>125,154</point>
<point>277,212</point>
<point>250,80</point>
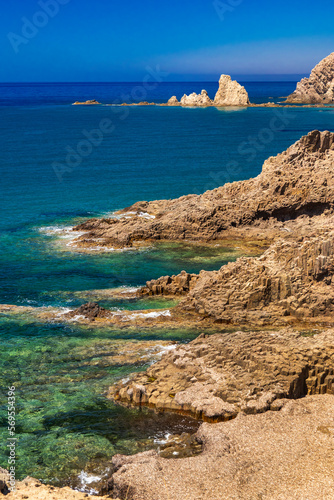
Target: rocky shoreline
<point>288,208</point>
<point>260,375</point>
<point>319,87</point>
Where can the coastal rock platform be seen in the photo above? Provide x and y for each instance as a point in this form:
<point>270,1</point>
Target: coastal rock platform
<point>215,377</point>
<point>281,455</point>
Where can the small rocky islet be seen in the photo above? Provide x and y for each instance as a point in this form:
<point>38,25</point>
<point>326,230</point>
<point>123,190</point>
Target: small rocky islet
<point>265,378</point>
<point>317,90</point>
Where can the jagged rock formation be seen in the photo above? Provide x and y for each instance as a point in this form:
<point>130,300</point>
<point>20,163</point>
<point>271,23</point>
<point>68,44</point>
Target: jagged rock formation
<point>194,99</point>
<point>281,455</point>
<point>90,311</point>
<point>298,182</point>
<point>319,87</point>
<point>170,285</point>
<point>292,279</point>
<point>215,377</point>
<point>230,93</point>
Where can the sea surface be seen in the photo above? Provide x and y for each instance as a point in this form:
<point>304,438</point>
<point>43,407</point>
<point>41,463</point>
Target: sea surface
<point>61,164</point>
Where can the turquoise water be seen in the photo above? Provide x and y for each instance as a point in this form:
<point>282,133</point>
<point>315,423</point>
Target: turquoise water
<point>61,371</point>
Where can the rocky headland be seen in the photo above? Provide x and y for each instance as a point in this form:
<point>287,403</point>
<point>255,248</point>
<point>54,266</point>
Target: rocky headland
<point>319,87</point>
<point>288,209</point>
<point>298,182</point>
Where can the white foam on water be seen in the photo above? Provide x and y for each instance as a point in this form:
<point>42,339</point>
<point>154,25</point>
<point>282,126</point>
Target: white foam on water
<point>145,215</point>
<point>85,480</point>
<point>77,317</point>
<point>154,314</point>
<point>164,440</point>
<point>130,289</point>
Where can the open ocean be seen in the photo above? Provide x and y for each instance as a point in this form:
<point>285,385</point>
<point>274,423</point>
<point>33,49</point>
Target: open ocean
<point>61,164</point>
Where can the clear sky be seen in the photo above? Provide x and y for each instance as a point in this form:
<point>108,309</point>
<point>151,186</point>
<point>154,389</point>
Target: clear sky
<point>116,40</point>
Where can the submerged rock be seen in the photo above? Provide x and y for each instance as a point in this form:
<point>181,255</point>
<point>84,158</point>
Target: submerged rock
<point>298,182</point>
<point>319,87</point>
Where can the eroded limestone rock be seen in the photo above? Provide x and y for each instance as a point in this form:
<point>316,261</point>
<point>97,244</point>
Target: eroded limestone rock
<point>319,87</point>
<point>194,99</point>
<point>230,93</point>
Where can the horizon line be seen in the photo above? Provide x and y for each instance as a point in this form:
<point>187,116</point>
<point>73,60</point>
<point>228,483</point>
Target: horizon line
<point>159,83</point>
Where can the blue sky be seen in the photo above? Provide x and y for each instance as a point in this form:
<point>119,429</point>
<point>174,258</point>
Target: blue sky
<point>113,40</point>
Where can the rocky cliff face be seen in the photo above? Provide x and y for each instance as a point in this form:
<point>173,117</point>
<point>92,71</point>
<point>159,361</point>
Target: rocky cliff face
<point>298,182</point>
<point>230,93</point>
<point>319,87</point>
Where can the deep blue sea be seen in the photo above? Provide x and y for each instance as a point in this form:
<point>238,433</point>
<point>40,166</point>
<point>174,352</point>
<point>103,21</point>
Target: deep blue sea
<point>61,164</point>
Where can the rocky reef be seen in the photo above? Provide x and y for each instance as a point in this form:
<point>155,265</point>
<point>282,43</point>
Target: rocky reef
<point>230,93</point>
<point>319,87</point>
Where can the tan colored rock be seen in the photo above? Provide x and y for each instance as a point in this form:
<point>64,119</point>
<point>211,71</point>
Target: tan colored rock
<point>170,285</point>
<point>299,182</point>
<point>215,377</point>
<point>279,455</point>
<point>292,279</point>
<point>32,489</point>
<point>93,101</point>
<point>291,202</point>
<point>319,87</point>
<point>230,93</point>
<point>194,99</point>
<point>173,101</point>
